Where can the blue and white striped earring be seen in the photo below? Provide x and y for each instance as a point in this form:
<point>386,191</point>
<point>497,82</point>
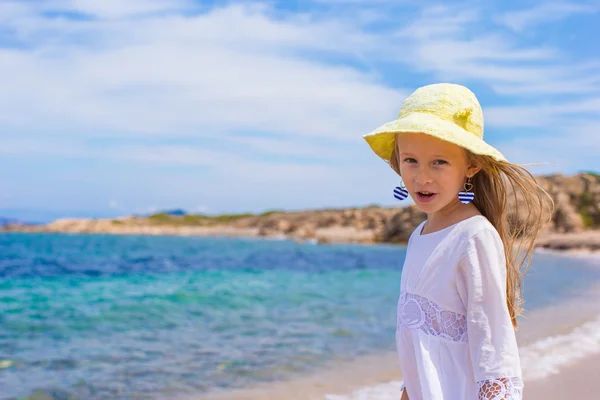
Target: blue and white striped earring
<point>400,192</point>
<point>466,196</point>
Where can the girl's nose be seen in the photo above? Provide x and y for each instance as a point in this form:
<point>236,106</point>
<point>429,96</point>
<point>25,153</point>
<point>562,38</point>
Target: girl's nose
<point>422,177</point>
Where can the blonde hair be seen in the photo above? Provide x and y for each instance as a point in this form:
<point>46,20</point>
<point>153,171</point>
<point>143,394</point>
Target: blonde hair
<point>493,186</point>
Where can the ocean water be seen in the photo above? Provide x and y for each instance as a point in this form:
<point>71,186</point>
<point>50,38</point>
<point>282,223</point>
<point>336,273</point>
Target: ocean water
<point>151,317</point>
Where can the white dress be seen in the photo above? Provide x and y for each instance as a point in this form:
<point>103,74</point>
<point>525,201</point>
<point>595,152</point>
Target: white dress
<point>454,334</point>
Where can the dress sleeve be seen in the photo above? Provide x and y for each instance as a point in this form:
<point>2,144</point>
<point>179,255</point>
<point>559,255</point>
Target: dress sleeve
<point>481,284</point>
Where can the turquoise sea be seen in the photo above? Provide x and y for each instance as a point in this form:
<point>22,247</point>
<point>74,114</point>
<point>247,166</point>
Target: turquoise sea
<point>155,317</point>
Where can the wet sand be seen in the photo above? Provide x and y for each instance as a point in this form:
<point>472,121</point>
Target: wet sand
<point>335,378</point>
<point>578,381</point>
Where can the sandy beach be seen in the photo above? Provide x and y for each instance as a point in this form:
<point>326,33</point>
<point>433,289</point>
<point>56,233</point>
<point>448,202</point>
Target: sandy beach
<point>560,356</point>
<point>578,381</point>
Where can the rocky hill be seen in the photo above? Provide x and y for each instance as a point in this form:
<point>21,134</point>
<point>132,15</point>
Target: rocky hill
<point>574,224</point>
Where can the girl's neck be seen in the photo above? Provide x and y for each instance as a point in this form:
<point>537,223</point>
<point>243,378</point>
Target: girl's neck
<point>449,215</point>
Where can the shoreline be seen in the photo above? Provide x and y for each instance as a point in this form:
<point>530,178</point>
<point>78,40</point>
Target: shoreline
<point>586,243</point>
<point>329,379</point>
<point>556,343</point>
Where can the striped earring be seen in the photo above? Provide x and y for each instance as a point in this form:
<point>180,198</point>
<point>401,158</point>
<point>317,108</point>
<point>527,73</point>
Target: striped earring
<point>400,192</point>
<point>466,196</point>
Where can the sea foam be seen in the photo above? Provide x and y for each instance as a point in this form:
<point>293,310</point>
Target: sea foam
<point>547,356</point>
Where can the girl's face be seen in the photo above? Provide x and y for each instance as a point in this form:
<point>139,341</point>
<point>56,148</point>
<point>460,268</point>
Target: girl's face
<point>433,170</point>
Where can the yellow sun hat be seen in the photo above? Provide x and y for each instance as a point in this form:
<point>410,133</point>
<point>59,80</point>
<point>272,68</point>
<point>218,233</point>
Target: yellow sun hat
<point>444,110</point>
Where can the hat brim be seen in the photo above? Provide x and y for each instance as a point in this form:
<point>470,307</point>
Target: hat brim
<point>381,140</point>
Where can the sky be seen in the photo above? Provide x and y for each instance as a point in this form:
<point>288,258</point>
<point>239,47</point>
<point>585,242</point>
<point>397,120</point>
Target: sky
<point>113,107</point>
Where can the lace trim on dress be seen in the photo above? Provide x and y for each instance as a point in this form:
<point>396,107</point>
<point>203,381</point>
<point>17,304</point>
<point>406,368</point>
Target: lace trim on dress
<point>416,312</point>
<point>500,389</point>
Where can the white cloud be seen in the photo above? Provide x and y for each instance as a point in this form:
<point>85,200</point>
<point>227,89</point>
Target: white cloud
<point>435,21</point>
<point>148,210</point>
<point>235,69</point>
<point>15,146</point>
<point>312,148</point>
<point>568,151</point>
<point>452,46</point>
<point>231,69</point>
<point>226,168</point>
<point>357,2</point>
<point>120,9</point>
<point>574,86</point>
<point>201,209</point>
<point>544,13</point>
<point>550,115</point>
<point>105,9</point>
<point>163,88</point>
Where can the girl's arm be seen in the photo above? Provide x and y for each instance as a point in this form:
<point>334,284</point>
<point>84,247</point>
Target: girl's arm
<point>404,395</point>
<point>481,283</point>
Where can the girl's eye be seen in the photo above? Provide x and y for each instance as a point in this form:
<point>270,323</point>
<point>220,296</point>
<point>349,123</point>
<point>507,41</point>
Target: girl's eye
<point>439,162</point>
<point>410,160</point>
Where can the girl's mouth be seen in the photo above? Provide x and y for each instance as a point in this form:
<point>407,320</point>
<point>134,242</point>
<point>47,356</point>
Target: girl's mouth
<point>426,197</point>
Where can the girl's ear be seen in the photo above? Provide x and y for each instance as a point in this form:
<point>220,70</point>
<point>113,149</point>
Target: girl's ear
<point>474,165</point>
<point>472,170</point>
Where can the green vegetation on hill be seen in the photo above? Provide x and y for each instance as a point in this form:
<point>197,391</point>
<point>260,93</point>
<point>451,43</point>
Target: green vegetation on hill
<point>588,207</point>
<point>165,218</point>
<point>587,204</point>
<point>271,212</point>
<point>591,173</point>
<point>194,219</point>
<point>182,219</point>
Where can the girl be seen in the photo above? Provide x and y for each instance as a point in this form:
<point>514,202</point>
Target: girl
<point>460,291</point>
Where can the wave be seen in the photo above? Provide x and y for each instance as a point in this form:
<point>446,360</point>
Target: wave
<point>546,356</point>
<point>383,391</point>
<point>539,360</point>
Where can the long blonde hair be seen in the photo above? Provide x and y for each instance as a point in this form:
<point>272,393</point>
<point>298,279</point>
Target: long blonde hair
<point>493,186</point>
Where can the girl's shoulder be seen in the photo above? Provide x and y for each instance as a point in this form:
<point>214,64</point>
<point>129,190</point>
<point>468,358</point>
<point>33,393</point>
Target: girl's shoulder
<point>476,224</point>
<point>477,232</point>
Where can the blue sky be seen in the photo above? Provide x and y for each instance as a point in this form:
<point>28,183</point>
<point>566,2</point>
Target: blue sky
<point>111,107</point>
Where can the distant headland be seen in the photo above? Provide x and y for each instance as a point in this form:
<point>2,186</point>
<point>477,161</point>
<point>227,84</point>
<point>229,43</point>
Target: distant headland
<point>575,224</point>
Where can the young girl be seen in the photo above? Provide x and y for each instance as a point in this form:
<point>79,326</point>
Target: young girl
<point>460,291</point>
